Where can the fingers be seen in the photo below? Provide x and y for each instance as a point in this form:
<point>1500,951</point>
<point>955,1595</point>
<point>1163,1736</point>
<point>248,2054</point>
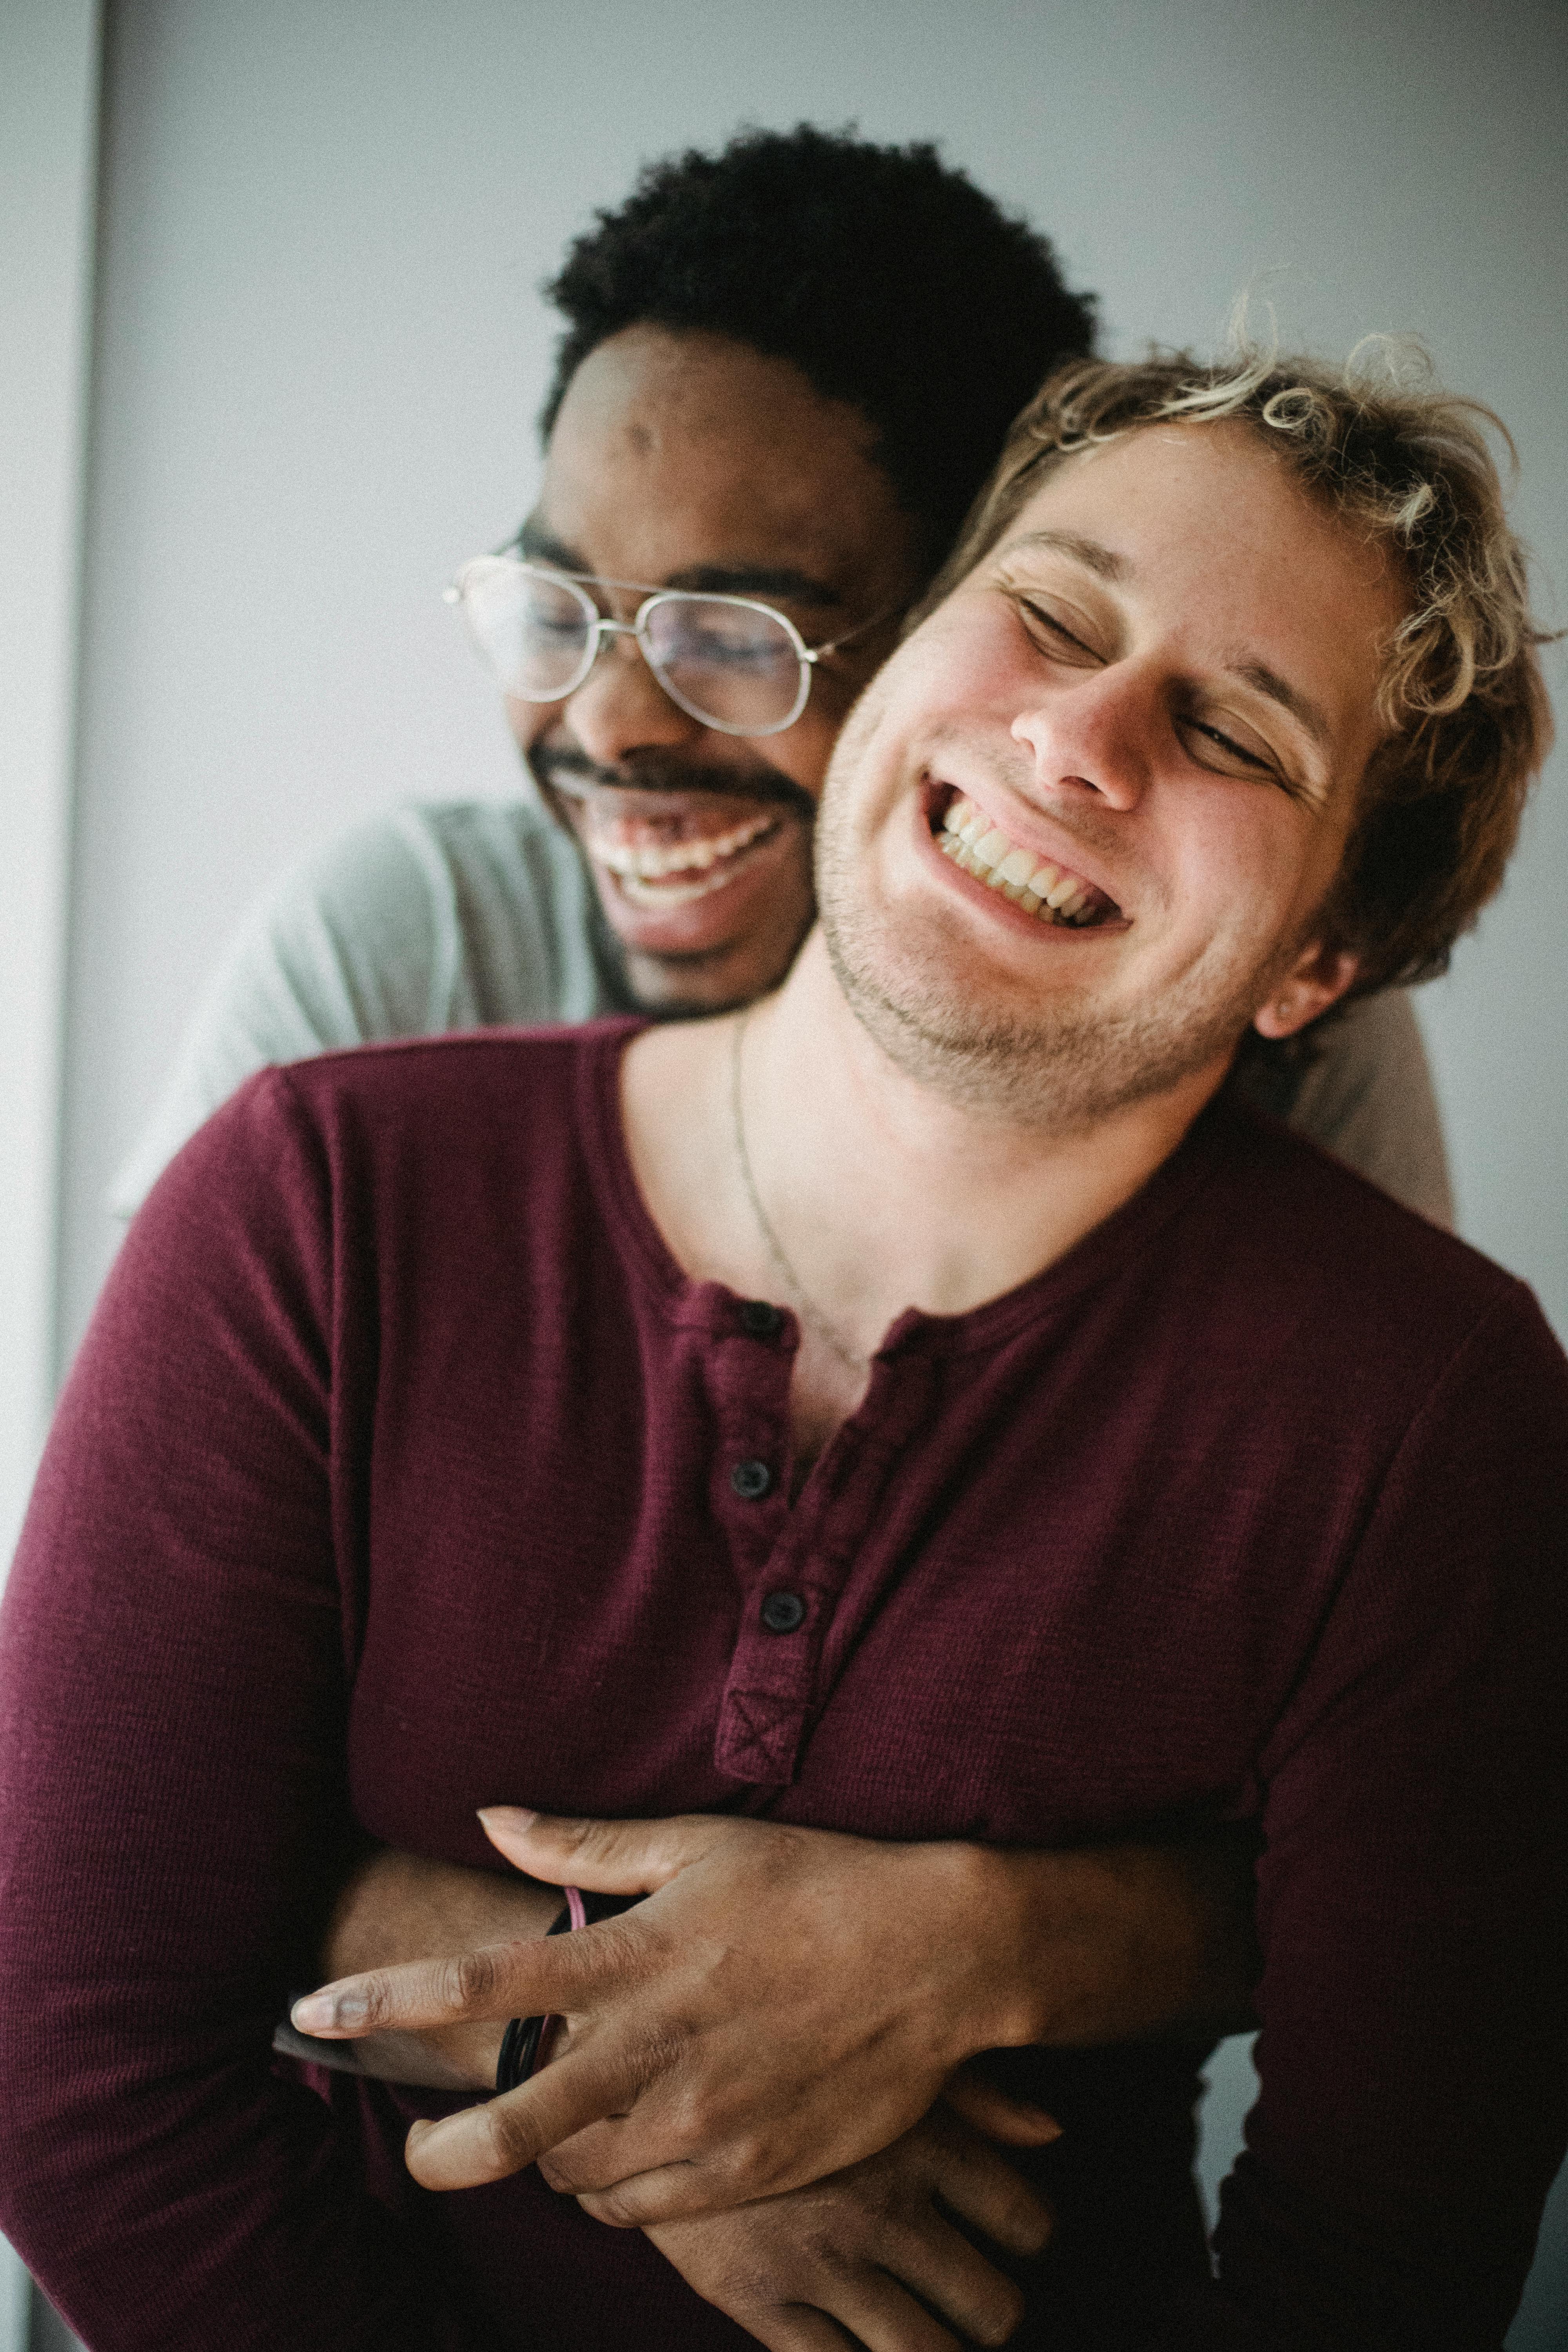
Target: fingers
<point>668,2192</point>
<point>731,2168</point>
<point>499,1980</point>
<point>607,2170</point>
<point>607,1857</point>
<point>998,2113</point>
<point>981,2186</point>
<point>503,2135</point>
<point>939,2264</point>
<point>879,2314</point>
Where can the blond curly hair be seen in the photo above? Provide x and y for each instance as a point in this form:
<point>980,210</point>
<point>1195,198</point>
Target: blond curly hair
<point>1408,467</point>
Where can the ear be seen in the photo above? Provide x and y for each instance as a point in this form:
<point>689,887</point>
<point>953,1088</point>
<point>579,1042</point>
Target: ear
<point>1319,978</point>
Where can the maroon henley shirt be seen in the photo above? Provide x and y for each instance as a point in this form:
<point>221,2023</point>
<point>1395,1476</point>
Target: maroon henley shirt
<point>402,1472</point>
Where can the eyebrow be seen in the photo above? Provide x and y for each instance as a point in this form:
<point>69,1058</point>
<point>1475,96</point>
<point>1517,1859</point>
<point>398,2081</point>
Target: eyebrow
<point>534,540</point>
<point>1289,698</point>
<point>1103,561</point>
<point>715,579</point>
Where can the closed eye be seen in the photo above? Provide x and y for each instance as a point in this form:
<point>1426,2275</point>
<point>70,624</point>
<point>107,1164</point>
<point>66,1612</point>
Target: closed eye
<point>1219,751</point>
<point>1054,636</point>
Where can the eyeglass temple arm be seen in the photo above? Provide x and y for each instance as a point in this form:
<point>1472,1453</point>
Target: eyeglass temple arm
<point>889,613</point>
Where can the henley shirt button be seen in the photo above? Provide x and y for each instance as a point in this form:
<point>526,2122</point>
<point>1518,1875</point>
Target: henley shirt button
<point>759,1320</point>
<point>751,1480</point>
<point>784,1612</point>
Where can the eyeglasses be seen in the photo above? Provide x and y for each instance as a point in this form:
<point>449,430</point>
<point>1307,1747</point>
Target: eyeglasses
<point>731,662</point>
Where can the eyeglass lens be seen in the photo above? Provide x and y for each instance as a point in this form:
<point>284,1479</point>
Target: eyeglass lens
<point>734,664</point>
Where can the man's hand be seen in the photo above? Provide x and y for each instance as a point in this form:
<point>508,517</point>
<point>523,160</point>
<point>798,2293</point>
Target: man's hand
<point>787,2002</point>
<point>396,1907</point>
<point>858,2249</point>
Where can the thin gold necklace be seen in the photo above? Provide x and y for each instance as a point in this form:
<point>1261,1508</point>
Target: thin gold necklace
<point>806,1306</point>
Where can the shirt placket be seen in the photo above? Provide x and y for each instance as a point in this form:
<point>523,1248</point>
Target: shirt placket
<point>795,1562</point>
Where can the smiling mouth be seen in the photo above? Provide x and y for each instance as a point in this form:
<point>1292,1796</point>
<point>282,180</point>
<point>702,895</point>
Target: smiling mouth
<point>673,873</point>
<point>1051,893</point>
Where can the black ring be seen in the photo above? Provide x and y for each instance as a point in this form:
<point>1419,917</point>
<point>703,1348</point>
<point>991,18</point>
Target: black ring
<point>511,2067</point>
<point>519,2043</point>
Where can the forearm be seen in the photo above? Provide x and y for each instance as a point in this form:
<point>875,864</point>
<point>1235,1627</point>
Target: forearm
<point>400,1907</point>
<point>1069,1948</point>
<point>1124,1943</point>
<point>786,2002</point>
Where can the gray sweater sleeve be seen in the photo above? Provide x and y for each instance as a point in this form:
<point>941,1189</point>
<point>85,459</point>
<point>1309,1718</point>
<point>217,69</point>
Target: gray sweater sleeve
<point>1368,1100</point>
<point>455,917</point>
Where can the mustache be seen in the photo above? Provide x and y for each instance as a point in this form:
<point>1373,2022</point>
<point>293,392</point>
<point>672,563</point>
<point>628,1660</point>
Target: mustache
<point>575,775</point>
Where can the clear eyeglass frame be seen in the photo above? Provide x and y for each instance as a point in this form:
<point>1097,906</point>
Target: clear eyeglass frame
<point>598,626</point>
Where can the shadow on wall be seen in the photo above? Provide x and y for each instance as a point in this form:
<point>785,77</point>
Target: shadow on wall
<point>48,2332</point>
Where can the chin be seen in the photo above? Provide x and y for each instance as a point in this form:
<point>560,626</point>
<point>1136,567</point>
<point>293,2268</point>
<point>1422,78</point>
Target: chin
<point>688,986</point>
<point>1061,1062</point>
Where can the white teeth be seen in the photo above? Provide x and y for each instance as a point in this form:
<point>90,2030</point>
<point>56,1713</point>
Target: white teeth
<point>692,858</point>
<point>983,849</point>
<point>670,894</point>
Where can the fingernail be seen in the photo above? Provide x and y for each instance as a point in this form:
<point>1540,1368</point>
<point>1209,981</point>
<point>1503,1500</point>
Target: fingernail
<point>507,1817</point>
<point>320,2011</point>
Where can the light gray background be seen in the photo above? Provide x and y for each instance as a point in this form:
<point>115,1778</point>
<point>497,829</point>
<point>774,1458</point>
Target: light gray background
<point>319,349</point>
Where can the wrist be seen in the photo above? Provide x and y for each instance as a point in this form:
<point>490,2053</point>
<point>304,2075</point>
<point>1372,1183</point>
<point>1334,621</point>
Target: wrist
<point>1009,1897</point>
<point>1100,1943</point>
<point>982,1908</point>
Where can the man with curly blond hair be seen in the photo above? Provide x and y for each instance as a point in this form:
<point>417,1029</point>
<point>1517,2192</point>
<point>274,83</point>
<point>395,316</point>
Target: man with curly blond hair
<point>879,1438</point>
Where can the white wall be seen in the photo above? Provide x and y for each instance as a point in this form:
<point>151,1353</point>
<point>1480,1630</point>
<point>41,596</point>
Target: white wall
<point>320,349</point>
<point>49,108</point>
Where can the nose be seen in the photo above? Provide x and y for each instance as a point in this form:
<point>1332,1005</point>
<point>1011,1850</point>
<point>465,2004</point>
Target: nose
<point>1093,734</point>
<point>620,708</point>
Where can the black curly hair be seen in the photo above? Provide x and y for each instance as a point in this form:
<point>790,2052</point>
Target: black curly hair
<point>884,274</point>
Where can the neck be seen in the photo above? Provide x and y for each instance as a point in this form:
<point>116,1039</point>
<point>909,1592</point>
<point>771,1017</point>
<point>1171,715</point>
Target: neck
<point>883,1194</point>
<point>901,1198</point>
